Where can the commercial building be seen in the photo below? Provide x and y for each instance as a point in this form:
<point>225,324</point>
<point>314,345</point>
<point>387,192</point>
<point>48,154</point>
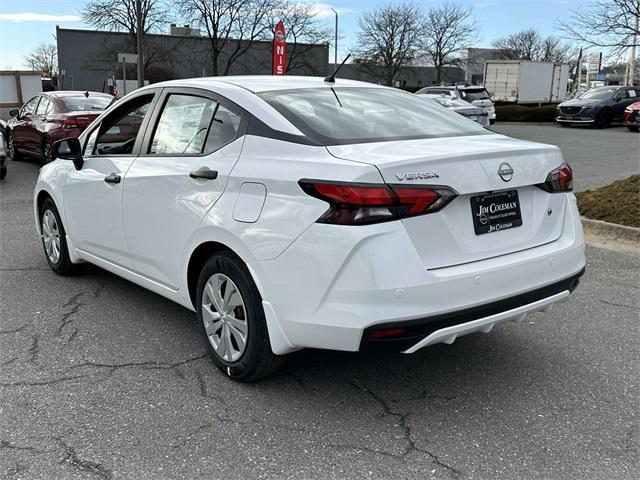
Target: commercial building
<point>474,60</point>
<point>88,58</point>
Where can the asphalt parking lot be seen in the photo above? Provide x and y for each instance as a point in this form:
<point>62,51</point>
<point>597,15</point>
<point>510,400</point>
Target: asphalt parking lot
<point>102,379</point>
<point>598,157</point>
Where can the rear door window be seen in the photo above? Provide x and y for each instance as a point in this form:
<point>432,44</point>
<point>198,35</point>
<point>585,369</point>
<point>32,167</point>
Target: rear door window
<point>224,129</point>
<point>183,125</point>
<point>193,125</point>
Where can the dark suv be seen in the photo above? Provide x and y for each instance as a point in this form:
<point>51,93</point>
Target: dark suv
<point>599,106</point>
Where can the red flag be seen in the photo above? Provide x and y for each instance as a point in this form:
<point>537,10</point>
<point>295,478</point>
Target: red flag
<point>279,50</point>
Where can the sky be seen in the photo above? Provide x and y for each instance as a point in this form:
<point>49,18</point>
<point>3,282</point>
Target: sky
<point>26,23</point>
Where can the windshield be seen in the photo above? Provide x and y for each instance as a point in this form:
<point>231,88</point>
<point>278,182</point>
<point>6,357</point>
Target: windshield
<point>598,93</point>
<point>340,116</point>
<point>83,104</point>
<point>478,94</point>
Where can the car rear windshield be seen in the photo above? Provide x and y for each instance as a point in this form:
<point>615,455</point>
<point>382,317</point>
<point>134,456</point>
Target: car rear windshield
<point>83,104</point>
<point>339,116</point>
<point>477,94</point>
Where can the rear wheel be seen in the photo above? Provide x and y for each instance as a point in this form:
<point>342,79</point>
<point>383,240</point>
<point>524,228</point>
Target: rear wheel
<point>54,240</point>
<point>3,172</point>
<point>232,320</point>
<point>11,148</point>
<point>603,119</point>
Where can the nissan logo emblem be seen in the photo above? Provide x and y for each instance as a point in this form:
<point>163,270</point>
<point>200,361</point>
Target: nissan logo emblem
<point>505,171</point>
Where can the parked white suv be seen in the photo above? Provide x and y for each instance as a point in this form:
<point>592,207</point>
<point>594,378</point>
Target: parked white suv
<point>295,212</point>
<point>475,94</point>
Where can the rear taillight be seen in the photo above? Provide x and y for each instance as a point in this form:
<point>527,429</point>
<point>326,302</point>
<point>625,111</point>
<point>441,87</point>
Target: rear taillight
<point>365,203</point>
<point>559,180</point>
<point>69,123</point>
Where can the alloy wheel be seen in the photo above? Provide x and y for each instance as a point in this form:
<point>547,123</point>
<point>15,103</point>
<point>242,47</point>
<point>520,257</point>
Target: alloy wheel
<point>51,236</point>
<point>225,317</point>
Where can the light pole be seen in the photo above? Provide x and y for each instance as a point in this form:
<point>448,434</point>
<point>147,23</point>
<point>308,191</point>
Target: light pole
<point>139,34</point>
<point>335,42</point>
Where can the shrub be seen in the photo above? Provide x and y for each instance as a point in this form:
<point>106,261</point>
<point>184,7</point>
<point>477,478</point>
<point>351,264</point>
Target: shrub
<point>525,113</point>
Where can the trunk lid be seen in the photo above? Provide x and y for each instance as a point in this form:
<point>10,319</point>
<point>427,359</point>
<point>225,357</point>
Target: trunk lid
<point>83,119</point>
<point>470,166</point>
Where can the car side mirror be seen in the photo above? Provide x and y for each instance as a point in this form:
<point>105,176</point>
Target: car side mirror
<point>14,113</point>
<point>69,149</point>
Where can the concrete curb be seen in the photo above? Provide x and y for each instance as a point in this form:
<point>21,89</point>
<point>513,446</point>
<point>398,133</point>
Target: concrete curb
<point>611,231</point>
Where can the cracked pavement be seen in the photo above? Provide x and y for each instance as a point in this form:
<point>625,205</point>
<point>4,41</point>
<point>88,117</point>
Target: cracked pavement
<point>100,379</point>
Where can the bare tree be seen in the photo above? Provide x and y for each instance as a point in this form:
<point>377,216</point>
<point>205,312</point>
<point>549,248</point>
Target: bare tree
<point>389,38</point>
<point>303,32</point>
<point>530,45</point>
<point>449,29</point>
<point>610,24</point>
<point>43,58</point>
<point>120,15</point>
<point>244,21</point>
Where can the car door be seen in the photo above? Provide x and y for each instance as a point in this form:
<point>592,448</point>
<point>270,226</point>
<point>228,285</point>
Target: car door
<point>22,131</point>
<point>39,123</point>
<point>623,98</point>
<point>93,194</point>
<point>190,148</point>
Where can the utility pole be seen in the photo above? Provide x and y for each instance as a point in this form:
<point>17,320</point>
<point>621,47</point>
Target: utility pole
<point>139,34</point>
<point>335,42</point>
<point>632,62</point>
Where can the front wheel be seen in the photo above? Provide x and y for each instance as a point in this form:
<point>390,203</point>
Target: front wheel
<point>54,240</point>
<point>47,153</point>
<point>603,120</point>
<point>232,320</point>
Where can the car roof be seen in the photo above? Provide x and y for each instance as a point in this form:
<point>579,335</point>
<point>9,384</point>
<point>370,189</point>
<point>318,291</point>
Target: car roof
<point>265,83</point>
<point>75,93</point>
<point>451,87</point>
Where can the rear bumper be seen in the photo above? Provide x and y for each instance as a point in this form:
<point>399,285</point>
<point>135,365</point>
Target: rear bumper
<point>447,327</point>
<point>333,285</point>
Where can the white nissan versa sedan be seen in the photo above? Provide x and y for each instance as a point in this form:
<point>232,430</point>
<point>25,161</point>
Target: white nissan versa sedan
<point>294,212</point>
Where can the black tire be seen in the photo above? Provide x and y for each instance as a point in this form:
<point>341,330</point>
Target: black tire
<point>257,360</point>
<point>3,172</point>
<point>603,119</point>
<point>564,124</point>
<point>47,152</point>
<point>11,148</point>
<point>633,128</point>
<point>63,265</point>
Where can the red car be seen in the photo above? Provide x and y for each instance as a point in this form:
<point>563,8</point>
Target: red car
<point>632,117</point>
<point>49,117</point>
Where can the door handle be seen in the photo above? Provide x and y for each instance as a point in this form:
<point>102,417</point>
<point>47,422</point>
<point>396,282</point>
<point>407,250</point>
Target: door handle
<point>112,178</point>
<point>204,173</point>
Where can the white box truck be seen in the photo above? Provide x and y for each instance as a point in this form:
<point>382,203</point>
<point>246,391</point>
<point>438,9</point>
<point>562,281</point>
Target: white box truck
<point>524,81</point>
<point>16,87</point>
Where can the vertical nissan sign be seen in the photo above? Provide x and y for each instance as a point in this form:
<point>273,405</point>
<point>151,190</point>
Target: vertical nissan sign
<point>279,50</point>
